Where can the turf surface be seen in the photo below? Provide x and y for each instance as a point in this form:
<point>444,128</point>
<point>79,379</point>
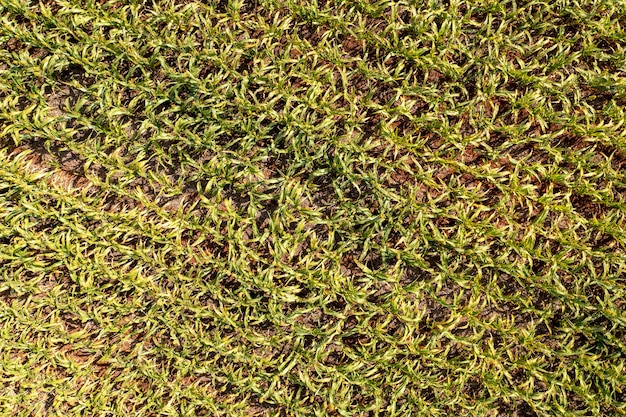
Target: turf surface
<point>295,208</point>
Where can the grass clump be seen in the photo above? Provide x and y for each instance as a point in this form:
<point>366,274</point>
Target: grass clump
<point>319,208</point>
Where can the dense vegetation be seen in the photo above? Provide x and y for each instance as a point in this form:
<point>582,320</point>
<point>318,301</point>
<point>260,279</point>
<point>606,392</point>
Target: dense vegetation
<point>296,208</point>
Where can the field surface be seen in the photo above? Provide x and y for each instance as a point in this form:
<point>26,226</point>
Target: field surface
<point>309,208</point>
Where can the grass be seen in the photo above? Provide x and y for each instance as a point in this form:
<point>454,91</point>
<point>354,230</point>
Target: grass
<point>295,208</point>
